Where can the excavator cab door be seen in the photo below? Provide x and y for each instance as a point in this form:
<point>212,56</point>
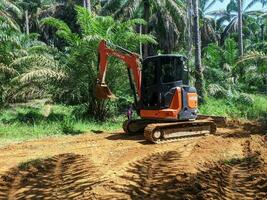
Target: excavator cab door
<point>160,76</point>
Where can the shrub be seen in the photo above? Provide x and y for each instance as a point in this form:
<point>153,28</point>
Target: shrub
<point>216,91</point>
<point>67,126</point>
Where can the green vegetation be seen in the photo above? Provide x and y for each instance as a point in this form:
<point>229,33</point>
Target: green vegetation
<point>33,122</point>
<point>242,106</point>
<point>49,51</point>
<point>24,122</point>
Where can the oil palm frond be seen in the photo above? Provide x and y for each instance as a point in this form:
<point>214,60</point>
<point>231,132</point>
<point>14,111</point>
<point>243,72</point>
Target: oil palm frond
<point>40,74</point>
<point>8,70</point>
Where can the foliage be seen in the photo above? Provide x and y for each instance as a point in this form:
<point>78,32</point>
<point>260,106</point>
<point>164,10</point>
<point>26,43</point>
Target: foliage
<point>166,19</point>
<point>243,106</point>
<point>78,86</point>
<point>58,59</point>
<point>22,122</point>
<point>16,123</point>
<point>9,12</point>
<point>24,60</point>
<point>220,71</point>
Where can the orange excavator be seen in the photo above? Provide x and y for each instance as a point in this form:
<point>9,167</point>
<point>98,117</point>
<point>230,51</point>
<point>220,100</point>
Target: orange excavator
<point>163,99</point>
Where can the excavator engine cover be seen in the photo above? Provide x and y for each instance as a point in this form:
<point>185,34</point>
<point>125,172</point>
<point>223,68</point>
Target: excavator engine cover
<point>103,92</point>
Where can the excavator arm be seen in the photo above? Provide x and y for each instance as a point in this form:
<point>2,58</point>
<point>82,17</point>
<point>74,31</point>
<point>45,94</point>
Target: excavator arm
<point>133,64</point>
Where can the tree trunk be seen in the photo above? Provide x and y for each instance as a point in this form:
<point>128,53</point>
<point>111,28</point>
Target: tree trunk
<point>240,28</point>
<point>87,5</point>
<point>198,67</point>
<point>189,28</point>
<point>140,44</point>
<point>27,26</point>
<point>262,33</point>
<point>146,17</point>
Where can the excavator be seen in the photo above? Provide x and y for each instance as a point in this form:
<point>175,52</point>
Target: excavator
<point>165,102</point>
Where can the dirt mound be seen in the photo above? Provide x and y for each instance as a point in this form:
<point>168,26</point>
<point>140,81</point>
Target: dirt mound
<point>66,176</point>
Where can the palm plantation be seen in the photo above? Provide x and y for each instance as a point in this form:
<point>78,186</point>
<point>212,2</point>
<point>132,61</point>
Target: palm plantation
<point>49,50</point>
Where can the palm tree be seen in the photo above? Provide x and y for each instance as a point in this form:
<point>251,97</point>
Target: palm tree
<point>165,19</point>
<point>256,70</point>
<point>198,71</point>
<point>240,28</point>
<point>87,4</point>
<point>34,10</point>
<point>231,14</point>
<point>10,12</point>
<point>209,32</point>
<point>30,59</point>
<point>79,85</point>
<point>189,28</point>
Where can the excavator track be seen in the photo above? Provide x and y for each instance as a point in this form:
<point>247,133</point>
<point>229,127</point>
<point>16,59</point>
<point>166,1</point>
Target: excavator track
<point>136,126</point>
<point>168,132</point>
<point>163,132</point>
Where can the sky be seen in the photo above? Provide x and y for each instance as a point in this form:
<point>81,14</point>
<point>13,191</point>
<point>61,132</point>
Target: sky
<point>219,5</point>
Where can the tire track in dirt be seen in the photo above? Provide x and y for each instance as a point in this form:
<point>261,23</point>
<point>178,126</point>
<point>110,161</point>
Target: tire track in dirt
<point>148,178</point>
<point>65,176</point>
<point>161,176</point>
<point>244,178</point>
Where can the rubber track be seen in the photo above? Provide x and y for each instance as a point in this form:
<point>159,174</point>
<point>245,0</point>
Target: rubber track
<point>148,132</point>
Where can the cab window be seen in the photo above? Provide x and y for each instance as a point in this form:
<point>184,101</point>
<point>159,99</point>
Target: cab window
<point>171,70</point>
<point>149,74</point>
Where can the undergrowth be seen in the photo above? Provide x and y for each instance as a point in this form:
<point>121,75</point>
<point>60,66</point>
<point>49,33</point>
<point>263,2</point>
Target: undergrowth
<point>237,108</point>
<point>18,123</point>
<point>23,123</point>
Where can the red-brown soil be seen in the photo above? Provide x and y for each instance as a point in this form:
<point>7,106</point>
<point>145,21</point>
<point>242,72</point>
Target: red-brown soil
<point>229,165</point>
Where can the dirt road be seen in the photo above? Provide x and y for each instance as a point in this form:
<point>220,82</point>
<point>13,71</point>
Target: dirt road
<point>230,165</point>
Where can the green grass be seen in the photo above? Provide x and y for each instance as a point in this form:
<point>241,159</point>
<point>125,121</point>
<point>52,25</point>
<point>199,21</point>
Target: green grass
<point>236,108</point>
<point>24,123</point>
<point>19,123</point>
<point>18,131</point>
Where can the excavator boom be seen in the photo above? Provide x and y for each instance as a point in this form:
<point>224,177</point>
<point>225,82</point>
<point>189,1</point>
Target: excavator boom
<point>131,59</point>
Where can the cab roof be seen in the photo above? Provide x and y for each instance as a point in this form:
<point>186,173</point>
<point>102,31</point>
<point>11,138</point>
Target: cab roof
<point>181,57</point>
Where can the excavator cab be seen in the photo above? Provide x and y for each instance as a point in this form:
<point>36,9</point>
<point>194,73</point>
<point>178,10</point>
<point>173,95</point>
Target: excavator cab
<point>161,74</point>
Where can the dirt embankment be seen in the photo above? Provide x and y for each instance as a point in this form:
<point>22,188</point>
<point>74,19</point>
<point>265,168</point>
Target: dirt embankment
<point>230,165</point>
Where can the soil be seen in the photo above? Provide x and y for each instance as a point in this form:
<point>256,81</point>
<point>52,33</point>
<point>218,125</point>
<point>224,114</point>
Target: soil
<point>229,165</point>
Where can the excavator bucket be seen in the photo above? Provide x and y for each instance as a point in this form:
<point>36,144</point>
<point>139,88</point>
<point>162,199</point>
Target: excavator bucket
<point>103,92</point>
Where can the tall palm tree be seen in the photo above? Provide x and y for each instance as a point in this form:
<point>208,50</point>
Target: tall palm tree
<point>165,19</point>
<point>209,32</point>
<point>189,27</point>
<point>231,14</point>
<point>198,71</point>
<point>87,4</point>
<point>240,28</point>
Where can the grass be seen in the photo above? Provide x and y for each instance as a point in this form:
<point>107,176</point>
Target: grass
<point>24,123</point>
<point>236,108</point>
<point>17,132</point>
<point>19,123</point>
